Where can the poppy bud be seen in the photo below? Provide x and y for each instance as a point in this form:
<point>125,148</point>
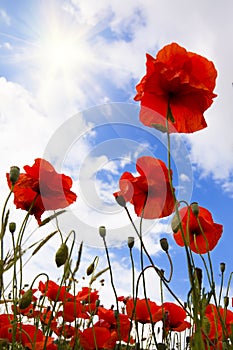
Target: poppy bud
<point>226,301</point>
<point>222,267</point>
<point>130,242</point>
<point>102,231</point>
<point>121,201</point>
<point>26,299</point>
<point>164,244</point>
<point>61,255</point>
<point>195,208</point>
<point>12,227</point>
<point>198,272</point>
<point>175,224</point>
<point>90,269</point>
<point>14,174</point>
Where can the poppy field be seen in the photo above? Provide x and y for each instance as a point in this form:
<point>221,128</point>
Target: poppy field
<point>174,94</point>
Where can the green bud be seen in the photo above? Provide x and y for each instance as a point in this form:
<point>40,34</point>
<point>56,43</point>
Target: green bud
<point>195,208</point>
<point>14,174</point>
<point>198,272</point>
<point>26,299</point>
<point>62,255</point>
<point>121,201</point>
<point>102,231</point>
<point>164,244</point>
<point>226,301</point>
<point>175,223</point>
<point>90,269</point>
<point>12,227</point>
<point>222,267</point>
<point>130,242</point>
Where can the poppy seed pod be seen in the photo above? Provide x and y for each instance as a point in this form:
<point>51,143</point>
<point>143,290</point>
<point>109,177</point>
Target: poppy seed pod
<point>164,244</point>
<point>61,255</point>
<point>102,231</point>
<point>222,267</point>
<point>130,242</point>
<point>26,299</point>
<point>14,174</point>
<point>12,227</point>
<point>175,223</point>
<point>195,208</point>
<point>121,201</point>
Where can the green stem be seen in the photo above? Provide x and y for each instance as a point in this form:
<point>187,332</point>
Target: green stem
<point>113,287</point>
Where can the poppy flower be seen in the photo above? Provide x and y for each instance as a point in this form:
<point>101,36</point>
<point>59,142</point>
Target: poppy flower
<point>180,80</point>
<point>44,187</point>
<point>55,292</point>
<point>87,295</point>
<point>118,326</point>
<point>140,312</point>
<point>174,317</point>
<point>72,310</point>
<point>150,192</point>
<point>200,240</point>
<point>94,337</point>
<point>215,329</point>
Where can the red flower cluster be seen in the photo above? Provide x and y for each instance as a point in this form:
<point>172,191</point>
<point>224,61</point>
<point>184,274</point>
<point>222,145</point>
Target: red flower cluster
<point>150,192</point>
<point>214,332</point>
<point>200,237</point>
<point>42,188</point>
<point>147,311</point>
<point>180,80</point>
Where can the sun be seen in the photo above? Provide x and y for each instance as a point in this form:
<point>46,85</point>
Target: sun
<point>62,47</point>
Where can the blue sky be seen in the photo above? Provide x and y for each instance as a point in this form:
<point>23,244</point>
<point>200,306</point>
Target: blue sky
<point>67,80</point>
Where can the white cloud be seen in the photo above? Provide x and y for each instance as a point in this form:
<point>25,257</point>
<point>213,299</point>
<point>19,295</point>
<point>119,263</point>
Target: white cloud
<point>5,17</point>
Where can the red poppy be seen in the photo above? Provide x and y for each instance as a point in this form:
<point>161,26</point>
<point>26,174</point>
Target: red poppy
<point>28,335</point>
<point>150,192</point>
<point>87,295</point>
<point>55,292</point>
<point>197,241</point>
<point>140,313</point>
<point>29,311</point>
<point>174,317</point>
<point>95,337</point>
<point>72,310</point>
<point>215,328</point>
<point>65,330</point>
<point>6,319</point>
<point>118,326</point>
<point>182,80</point>
<point>42,184</point>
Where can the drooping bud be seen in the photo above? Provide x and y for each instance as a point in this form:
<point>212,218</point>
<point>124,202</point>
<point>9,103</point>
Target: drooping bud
<point>102,231</point>
<point>195,208</point>
<point>12,227</point>
<point>121,201</point>
<point>175,223</point>
<point>26,299</point>
<point>14,174</point>
<point>164,244</point>
<point>222,267</point>
<point>130,242</point>
<point>90,269</point>
<point>61,255</point>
